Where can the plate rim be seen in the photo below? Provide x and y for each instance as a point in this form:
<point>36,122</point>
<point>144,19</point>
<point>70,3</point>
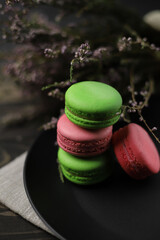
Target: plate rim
<point>55,233</point>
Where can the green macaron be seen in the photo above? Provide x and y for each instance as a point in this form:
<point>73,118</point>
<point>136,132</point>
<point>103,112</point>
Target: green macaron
<point>85,171</point>
<point>92,104</point>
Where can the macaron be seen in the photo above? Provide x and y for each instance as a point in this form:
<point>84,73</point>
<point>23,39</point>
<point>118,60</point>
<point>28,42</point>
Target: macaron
<point>80,141</point>
<point>85,171</point>
<point>136,152</point>
<point>92,104</point>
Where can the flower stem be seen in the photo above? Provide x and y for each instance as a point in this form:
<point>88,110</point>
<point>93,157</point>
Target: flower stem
<point>146,100</point>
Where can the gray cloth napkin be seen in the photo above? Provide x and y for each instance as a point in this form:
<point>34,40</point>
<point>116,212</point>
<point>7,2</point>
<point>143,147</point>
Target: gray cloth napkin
<point>13,195</point>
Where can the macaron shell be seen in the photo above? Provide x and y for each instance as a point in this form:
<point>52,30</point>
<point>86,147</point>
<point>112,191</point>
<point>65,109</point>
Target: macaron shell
<point>145,149</point>
<point>136,152</point>
<point>84,180</point>
<point>76,133</point>
<point>81,164</point>
<point>127,160</point>
<point>93,97</point>
<point>92,104</point>
<point>85,170</point>
<point>80,141</point>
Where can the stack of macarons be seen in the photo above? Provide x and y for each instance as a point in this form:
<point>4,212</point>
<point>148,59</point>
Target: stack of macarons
<point>84,133</point>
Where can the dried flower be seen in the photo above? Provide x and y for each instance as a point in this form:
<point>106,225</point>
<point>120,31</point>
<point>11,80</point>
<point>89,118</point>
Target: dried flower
<point>50,124</point>
<point>82,52</point>
<point>124,44</point>
<point>154,129</point>
<point>141,119</point>
<point>100,51</point>
<point>51,53</point>
<point>48,52</point>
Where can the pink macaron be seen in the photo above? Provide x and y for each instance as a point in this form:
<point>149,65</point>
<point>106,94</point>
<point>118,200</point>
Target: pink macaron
<point>135,151</point>
<point>80,141</point>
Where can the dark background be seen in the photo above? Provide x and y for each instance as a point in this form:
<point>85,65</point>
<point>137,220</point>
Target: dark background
<point>15,139</point>
<point>142,7</point>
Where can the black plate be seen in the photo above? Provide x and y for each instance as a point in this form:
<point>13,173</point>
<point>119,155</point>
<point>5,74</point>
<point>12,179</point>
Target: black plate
<point>120,208</point>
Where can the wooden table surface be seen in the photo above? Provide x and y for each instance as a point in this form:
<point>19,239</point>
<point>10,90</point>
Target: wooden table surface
<point>14,140</point>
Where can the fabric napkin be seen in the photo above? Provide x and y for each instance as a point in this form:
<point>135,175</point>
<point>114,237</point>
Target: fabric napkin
<point>13,195</point>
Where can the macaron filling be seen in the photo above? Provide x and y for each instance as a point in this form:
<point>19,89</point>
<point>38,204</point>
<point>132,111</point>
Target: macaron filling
<point>84,122</point>
<point>84,177</point>
<point>83,148</point>
<point>92,116</point>
<point>94,173</point>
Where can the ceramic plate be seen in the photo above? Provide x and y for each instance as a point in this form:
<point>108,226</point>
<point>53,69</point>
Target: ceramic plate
<point>119,208</point>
